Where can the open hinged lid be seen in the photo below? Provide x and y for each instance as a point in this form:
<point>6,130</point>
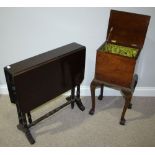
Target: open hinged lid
<point>127,28</point>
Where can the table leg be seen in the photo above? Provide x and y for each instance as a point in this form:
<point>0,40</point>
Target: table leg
<point>78,100</point>
<point>92,89</point>
<point>128,97</point>
<point>100,97</point>
<point>72,97</point>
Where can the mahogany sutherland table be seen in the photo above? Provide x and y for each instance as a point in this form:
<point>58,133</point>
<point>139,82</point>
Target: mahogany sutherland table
<point>36,80</point>
<point>116,57</point>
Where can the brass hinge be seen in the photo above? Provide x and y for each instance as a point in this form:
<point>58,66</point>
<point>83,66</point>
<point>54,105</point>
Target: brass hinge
<point>113,41</point>
<point>135,45</point>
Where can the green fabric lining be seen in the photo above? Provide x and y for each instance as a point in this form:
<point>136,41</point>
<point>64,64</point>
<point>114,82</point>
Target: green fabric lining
<point>121,50</point>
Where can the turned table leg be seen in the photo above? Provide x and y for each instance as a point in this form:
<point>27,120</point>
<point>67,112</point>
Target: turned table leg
<point>23,125</point>
<point>78,100</point>
<point>72,97</point>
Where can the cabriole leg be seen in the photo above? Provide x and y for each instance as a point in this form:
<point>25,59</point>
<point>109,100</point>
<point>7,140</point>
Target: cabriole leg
<point>135,81</point>
<point>128,97</point>
<point>130,106</point>
<point>100,97</point>
<point>92,89</point>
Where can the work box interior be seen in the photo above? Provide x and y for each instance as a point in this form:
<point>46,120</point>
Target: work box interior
<point>126,34</point>
<point>120,50</point>
<point>116,57</point>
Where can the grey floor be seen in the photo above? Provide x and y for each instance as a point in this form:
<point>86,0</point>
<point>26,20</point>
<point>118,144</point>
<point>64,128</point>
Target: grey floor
<point>75,128</point>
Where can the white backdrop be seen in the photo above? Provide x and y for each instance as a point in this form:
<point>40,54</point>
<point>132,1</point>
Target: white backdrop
<point>25,32</point>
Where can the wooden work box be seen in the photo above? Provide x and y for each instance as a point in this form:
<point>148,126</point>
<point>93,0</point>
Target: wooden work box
<point>36,80</point>
<point>116,57</point>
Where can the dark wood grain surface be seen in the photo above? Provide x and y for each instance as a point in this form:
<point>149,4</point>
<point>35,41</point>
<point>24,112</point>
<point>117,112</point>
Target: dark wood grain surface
<point>43,77</point>
<point>128,28</point>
